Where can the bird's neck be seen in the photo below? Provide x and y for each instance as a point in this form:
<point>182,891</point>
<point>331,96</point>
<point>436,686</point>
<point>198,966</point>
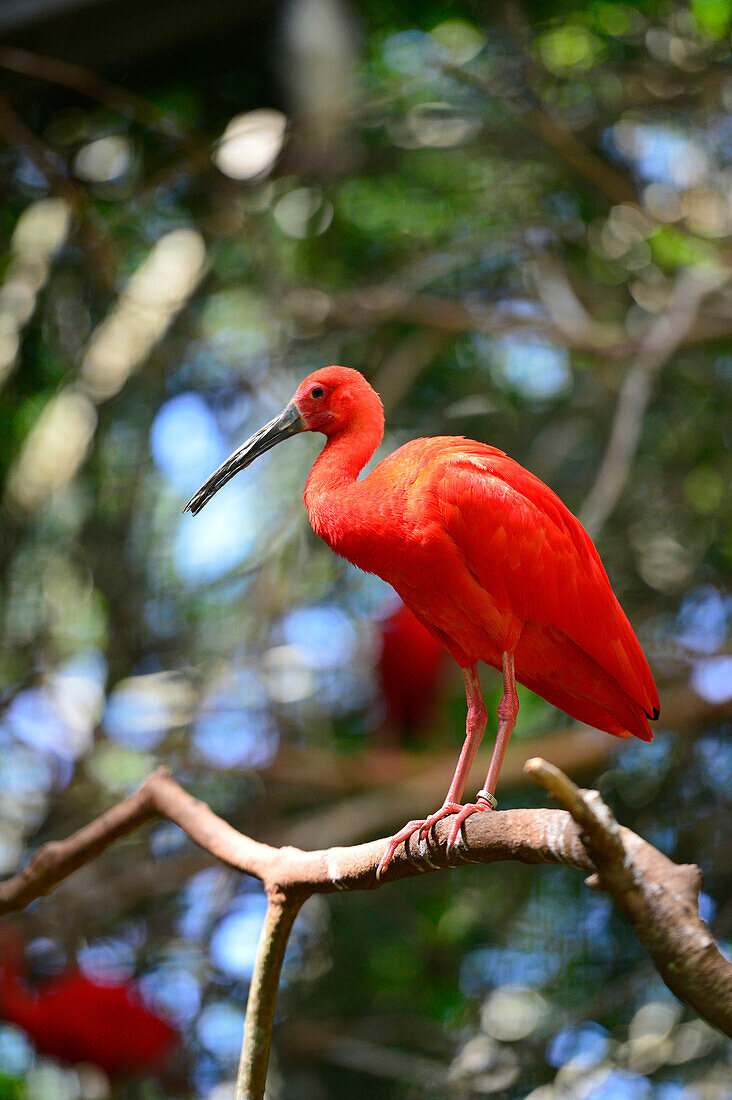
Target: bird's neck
<point>335,470</point>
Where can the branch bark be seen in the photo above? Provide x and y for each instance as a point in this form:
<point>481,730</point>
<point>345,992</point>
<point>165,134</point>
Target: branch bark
<point>659,897</point>
<point>278,922</point>
<point>664,337</point>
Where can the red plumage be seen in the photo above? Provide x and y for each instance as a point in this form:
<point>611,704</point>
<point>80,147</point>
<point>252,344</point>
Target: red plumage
<point>76,1020</point>
<point>409,666</point>
<point>490,560</point>
<point>484,554</point>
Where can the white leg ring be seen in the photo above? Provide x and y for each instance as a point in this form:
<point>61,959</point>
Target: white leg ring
<point>488,797</point>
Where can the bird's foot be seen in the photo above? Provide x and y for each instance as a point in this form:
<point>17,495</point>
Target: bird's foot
<point>404,834</point>
<point>444,811</point>
<point>484,801</point>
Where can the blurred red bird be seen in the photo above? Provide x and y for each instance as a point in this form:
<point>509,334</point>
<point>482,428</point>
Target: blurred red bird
<point>483,553</point>
<point>409,667</point>
<point>76,1020</point>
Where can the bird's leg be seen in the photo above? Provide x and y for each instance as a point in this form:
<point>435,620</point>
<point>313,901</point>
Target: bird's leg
<point>507,712</point>
<point>474,730</point>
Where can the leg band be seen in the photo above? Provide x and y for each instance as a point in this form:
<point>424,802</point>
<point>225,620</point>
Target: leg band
<point>488,797</point>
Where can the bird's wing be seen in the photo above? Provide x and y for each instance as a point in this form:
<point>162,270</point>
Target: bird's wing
<point>536,560</point>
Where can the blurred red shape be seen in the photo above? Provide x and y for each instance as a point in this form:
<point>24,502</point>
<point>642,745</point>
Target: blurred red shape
<point>409,668</point>
<point>74,1019</point>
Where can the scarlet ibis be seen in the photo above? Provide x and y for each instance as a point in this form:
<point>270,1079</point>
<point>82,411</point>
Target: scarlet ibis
<point>483,553</point>
<point>76,1020</point>
<point>409,667</point>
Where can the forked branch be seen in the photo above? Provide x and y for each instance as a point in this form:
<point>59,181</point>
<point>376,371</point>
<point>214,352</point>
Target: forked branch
<point>659,897</point>
<point>661,342</point>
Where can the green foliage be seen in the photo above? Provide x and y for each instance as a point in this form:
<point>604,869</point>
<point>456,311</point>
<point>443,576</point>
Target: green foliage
<point>712,16</point>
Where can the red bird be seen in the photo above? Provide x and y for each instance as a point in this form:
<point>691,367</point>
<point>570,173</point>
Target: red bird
<point>483,553</point>
<point>409,667</point>
<point>72,1018</point>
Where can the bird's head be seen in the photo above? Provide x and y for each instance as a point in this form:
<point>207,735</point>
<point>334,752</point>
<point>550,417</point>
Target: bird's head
<point>330,400</point>
<point>334,398</point>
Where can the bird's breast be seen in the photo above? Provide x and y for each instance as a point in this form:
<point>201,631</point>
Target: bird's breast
<point>416,556</point>
<point>374,532</point>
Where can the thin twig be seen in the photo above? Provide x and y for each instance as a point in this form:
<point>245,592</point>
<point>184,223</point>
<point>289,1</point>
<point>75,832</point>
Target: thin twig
<point>557,136</point>
<point>89,84</point>
<point>375,304</point>
<point>554,133</point>
<point>664,337</point>
<point>58,859</point>
<point>280,917</point>
<point>575,324</point>
<point>402,366</point>
<point>16,134</point>
<point>159,795</point>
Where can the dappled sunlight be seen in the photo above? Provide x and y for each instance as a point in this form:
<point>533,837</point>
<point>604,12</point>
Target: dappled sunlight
<point>142,710</point>
<point>233,726</point>
<point>234,941</point>
<point>54,448</point>
<point>39,234</point>
<point>186,417</point>
<point>105,160</point>
<point>303,213</point>
<point>153,296</point>
<point>250,144</point>
<point>203,553</point>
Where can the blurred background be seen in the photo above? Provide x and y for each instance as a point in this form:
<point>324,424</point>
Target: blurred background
<point>514,218</point>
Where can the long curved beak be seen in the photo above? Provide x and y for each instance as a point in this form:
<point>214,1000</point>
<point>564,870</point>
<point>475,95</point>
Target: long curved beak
<point>288,423</point>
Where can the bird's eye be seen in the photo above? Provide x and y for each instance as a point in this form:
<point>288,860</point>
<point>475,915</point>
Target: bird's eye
<point>317,391</point>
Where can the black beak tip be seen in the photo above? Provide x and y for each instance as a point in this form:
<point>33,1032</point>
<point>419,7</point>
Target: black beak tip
<point>195,504</point>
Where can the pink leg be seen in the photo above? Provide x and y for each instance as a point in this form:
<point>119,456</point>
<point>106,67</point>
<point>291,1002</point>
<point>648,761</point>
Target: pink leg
<point>474,730</point>
<point>507,712</point>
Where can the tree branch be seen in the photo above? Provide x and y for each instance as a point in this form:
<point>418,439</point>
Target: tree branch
<point>667,333</point>
<point>658,896</point>
<point>660,899</point>
<point>380,788</point>
<point>451,317</point>
<point>556,135</point>
<point>17,135</point>
<point>278,922</point>
<point>94,87</point>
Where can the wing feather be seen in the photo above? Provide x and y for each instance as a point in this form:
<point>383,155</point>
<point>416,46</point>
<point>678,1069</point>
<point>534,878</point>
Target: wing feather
<point>537,561</point>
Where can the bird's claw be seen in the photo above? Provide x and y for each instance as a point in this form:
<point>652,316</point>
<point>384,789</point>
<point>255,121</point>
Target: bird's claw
<point>398,838</point>
<point>462,813</point>
<point>478,807</point>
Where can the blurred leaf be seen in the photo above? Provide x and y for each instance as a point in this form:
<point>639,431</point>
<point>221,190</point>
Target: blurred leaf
<point>672,249</point>
<point>117,768</point>
<point>569,46</point>
<point>712,16</point>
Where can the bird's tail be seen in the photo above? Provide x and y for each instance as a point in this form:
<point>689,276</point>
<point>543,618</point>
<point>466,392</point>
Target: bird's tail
<point>571,680</point>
